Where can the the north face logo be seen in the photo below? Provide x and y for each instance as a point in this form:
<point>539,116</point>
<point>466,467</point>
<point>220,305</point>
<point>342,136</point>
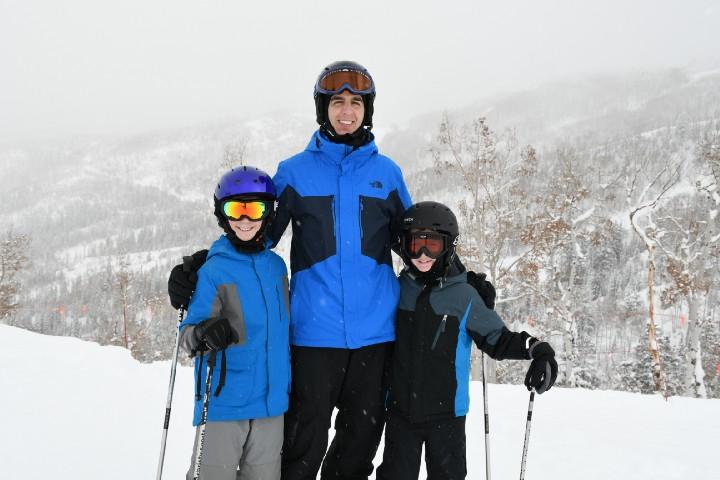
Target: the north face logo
<point>376,184</point>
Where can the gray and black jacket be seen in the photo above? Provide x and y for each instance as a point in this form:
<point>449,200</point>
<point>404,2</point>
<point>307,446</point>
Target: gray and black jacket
<point>430,371</point>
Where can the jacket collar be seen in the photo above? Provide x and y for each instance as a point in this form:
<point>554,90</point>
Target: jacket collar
<point>338,152</point>
<point>455,275</point>
<point>224,248</point>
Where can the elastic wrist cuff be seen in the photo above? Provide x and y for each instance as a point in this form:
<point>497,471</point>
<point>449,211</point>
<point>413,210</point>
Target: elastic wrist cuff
<point>532,342</point>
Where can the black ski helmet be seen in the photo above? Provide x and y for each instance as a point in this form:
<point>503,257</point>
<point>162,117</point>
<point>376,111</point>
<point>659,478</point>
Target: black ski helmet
<point>436,217</point>
<point>322,99</point>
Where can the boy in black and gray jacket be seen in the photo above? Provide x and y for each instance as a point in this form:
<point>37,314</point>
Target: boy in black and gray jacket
<point>439,316</point>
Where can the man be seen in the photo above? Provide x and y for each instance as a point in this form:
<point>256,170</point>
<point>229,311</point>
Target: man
<point>342,198</point>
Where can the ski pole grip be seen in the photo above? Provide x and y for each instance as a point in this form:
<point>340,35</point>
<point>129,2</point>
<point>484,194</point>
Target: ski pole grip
<point>187,264</point>
<point>211,359</point>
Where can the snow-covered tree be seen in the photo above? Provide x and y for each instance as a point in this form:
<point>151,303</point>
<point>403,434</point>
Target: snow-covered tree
<point>689,242</point>
<point>234,154</point>
<point>560,235</point>
<point>648,178</point>
<point>13,258</point>
<point>634,375</point>
<point>494,173</point>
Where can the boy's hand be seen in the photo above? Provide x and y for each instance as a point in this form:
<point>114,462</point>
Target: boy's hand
<point>216,334</point>
<point>183,278</point>
<point>543,370</point>
<point>483,287</point>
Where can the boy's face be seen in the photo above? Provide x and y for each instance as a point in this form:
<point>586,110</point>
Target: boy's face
<point>345,112</point>
<point>423,263</point>
<point>244,228</point>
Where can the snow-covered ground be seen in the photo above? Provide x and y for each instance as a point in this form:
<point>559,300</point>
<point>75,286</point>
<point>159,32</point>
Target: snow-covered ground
<point>75,410</point>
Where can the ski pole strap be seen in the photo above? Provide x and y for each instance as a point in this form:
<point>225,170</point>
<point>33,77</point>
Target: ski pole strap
<point>221,382</point>
<point>199,377</point>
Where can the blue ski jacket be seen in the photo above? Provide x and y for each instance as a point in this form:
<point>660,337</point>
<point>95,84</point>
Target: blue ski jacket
<point>342,203</point>
<point>251,291</point>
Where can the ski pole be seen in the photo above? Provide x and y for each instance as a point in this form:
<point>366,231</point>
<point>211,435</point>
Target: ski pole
<point>203,417</point>
<point>168,403</point>
<point>527,435</point>
<point>487,420</point>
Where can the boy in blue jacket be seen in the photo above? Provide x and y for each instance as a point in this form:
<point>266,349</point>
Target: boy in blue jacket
<point>240,310</point>
<point>438,318</point>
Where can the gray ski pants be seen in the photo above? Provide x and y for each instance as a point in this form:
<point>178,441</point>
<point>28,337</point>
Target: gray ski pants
<point>240,450</point>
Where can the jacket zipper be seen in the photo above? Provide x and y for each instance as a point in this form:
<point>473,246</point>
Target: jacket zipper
<point>335,222</point>
<point>438,332</point>
<point>267,323</point>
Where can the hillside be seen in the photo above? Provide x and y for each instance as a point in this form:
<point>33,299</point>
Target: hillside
<point>108,217</point>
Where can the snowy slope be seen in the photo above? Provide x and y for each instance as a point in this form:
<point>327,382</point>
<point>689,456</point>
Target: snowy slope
<point>76,410</point>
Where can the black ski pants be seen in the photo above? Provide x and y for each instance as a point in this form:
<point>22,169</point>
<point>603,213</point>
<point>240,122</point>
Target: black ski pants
<point>322,379</point>
<point>444,449</point>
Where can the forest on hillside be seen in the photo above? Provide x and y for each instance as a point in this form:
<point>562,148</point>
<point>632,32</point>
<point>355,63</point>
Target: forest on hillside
<point>602,237</point>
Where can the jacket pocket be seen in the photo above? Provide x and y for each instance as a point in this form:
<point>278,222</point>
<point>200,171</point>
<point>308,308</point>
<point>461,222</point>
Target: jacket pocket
<point>239,380</point>
<point>314,231</point>
<point>440,330</point>
<point>375,217</point>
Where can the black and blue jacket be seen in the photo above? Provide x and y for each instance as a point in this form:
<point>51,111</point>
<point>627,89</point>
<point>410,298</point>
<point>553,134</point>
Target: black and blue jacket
<point>430,371</point>
<point>341,202</point>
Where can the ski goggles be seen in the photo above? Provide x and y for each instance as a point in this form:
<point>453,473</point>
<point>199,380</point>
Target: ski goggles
<point>336,81</point>
<point>254,209</point>
<point>432,244</point>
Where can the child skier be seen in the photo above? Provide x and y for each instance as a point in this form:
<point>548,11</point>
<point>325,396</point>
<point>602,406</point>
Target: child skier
<point>240,312</point>
<point>439,314</point>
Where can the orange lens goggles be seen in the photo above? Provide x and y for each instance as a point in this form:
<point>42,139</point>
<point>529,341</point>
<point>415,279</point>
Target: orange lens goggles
<point>254,210</point>
<point>339,80</point>
<point>430,243</point>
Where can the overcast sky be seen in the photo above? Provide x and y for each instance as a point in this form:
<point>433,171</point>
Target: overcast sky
<point>77,67</point>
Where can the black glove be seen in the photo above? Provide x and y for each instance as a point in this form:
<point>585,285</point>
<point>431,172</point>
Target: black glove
<point>183,279</point>
<point>215,334</point>
<point>543,369</point>
<point>483,287</point>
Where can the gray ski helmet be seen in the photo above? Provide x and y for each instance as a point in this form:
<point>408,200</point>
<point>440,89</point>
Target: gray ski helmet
<point>322,96</point>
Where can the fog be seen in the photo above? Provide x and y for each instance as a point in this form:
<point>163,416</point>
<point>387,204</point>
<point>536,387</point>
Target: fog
<point>91,67</point>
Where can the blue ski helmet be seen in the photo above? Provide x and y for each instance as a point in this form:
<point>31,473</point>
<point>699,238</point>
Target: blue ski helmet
<point>322,95</point>
<point>250,181</point>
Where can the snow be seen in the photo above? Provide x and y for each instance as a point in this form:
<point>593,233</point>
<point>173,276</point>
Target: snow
<point>584,216</point>
<point>77,410</point>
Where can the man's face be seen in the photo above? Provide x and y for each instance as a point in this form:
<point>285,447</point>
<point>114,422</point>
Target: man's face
<point>346,111</point>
